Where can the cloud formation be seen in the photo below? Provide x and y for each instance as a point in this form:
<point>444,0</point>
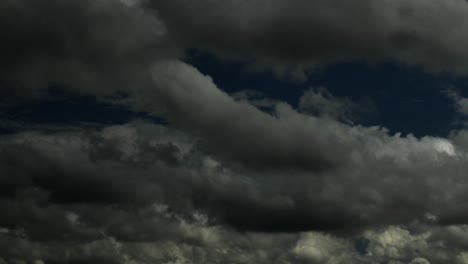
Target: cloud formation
<point>85,182</point>
<point>224,181</point>
<point>297,33</point>
<point>89,46</point>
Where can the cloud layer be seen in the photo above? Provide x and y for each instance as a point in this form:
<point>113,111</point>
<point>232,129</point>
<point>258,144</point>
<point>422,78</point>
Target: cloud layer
<point>85,183</point>
<point>96,47</point>
<point>293,34</point>
<point>224,181</point>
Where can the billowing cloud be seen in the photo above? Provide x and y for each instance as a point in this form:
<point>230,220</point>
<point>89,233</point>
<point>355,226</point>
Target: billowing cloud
<point>293,34</point>
<point>223,181</point>
<point>103,45</point>
<point>106,167</point>
<point>85,181</point>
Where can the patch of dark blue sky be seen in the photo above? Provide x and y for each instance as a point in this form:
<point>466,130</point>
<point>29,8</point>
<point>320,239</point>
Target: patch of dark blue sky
<point>407,99</point>
<point>65,109</point>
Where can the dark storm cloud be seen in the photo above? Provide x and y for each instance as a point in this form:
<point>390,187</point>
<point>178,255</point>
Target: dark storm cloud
<point>186,201</point>
<point>86,166</point>
<point>91,46</point>
<point>382,182</point>
<point>47,175</point>
<point>233,129</point>
<point>202,244</point>
<point>92,39</point>
<point>100,46</point>
<point>293,34</point>
<point>226,180</point>
<point>388,172</point>
<point>108,40</point>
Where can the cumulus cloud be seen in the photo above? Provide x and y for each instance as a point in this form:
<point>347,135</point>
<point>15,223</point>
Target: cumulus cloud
<point>224,181</point>
<point>196,242</point>
<point>84,183</point>
<point>193,102</point>
<point>170,167</point>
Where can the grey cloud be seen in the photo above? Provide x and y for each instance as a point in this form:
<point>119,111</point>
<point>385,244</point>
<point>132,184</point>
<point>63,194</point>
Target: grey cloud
<point>192,210</point>
<point>139,193</point>
<point>420,261</point>
<point>322,103</point>
<point>241,161</point>
<point>460,102</point>
<point>404,245</point>
<point>102,46</point>
<point>381,184</point>
<point>194,103</point>
<point>255,98</point>
<point>294,34</point>
<point>94,47</point>
<point>220,245</point>
<point>259,164</point>
<point>389,172</point>
<point>91,166</point>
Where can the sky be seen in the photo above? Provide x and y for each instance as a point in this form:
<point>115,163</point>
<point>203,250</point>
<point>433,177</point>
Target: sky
<point>233,131</point>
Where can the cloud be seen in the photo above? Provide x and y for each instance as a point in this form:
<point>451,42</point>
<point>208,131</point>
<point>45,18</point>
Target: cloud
<point>107,45</point>
<point>460,102</point>
<point>322,103</point>
<point>197,243</point>
<point>193,102</point>
<point>239,160</point>
<point>420,261</point>
<point>88,46</point>
<point>320,248</point>
<point>85,181</point>
<point>293,34</point>
<point>190,205</point>
<point>381,184</point>
<point>224,181</point>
